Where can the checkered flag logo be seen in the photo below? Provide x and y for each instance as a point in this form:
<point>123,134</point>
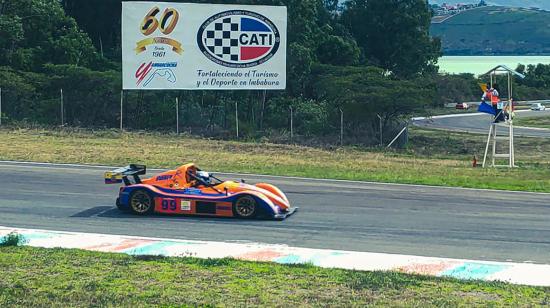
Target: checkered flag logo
<point>238,39</point>
<point>222,39</point>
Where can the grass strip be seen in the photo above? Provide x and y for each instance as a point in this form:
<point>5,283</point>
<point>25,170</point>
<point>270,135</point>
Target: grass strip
<point>433,158</point>
<point>540,122</point>
<point>76,278</point>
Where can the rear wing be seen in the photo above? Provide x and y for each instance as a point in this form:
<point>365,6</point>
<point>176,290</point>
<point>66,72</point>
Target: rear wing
<point>121,175</point>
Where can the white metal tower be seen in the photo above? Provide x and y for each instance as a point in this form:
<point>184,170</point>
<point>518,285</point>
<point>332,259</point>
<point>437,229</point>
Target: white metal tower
<point>506,106</point>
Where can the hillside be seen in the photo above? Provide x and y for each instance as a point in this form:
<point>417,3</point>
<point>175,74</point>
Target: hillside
<point>542,4</point>
<point>495,30</point>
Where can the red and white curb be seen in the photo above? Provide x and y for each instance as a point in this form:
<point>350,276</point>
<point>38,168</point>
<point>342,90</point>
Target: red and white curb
<point>516,273</point>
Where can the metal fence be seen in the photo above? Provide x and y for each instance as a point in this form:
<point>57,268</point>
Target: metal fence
<point>219,117</point>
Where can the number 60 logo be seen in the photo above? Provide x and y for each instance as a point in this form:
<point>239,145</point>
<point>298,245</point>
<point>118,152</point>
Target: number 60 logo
<point>168,21</point>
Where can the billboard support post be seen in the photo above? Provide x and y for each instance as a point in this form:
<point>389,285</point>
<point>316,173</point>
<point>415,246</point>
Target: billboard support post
<point>291,123</point>
<point>237,118</point>
<point>177,116</point>
<point>121,106</point>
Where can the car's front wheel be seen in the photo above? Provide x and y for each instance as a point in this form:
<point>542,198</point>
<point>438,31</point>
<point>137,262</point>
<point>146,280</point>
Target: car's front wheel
<point>141,202</point>
<point>245,207</point>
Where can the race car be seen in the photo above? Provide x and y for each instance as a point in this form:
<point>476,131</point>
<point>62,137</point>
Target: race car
<point>188,190</point>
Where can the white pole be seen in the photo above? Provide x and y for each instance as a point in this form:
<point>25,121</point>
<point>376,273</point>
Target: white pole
<point>62,116</point>
<point>513,152</point>
<point>0,106</point>
<point>511,145</point>
<point>396,137</point>
<point>511,90</point>
<point>487,146</point>
<point>177,117</point>
<point>121,105</point>
<point>291,124</point>
<point>237,118</point>
<point>494,145</point>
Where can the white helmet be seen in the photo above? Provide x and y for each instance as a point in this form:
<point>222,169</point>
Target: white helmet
<point>204,176</point>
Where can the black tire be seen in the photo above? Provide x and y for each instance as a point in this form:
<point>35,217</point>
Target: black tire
<point>245,207</point>
<point>120,207</point>
<point>141,202</point>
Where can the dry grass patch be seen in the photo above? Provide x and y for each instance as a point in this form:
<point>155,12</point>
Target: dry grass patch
<point>541,122</point>
<point>432,159</point>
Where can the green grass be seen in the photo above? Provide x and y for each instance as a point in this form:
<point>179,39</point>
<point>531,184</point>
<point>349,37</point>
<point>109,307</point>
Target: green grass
<point>433,158</point>
<point>75,278</point>
<point>540,122</point>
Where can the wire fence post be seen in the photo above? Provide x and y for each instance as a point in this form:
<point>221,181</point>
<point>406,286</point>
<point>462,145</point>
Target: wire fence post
<point>62,110</point>
<point>0,106</point>
<point>291,123</point>
<point>341,127</point>
<point>381,132</point>
<point>121,108</point>
<point>177,116</point>
<point>237,118</point>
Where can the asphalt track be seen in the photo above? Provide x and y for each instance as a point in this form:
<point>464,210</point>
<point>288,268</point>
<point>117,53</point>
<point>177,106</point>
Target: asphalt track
<point>402,219</point>
<point>479,123</point>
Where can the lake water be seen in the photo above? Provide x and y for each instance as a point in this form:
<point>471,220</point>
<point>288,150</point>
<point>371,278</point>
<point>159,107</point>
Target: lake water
<point>482,64</point>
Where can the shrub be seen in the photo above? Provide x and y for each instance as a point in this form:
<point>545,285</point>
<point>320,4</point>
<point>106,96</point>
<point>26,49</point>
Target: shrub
<point>12,239</point>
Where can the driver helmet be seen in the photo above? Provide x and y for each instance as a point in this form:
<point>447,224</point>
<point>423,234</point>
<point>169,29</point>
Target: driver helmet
<point>204,176</point>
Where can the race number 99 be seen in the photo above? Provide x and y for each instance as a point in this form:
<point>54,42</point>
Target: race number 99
<point>169,205</point>
<point>168,21</point>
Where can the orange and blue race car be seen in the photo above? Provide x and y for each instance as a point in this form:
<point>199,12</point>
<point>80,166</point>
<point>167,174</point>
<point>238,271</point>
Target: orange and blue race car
<point>188,190</point>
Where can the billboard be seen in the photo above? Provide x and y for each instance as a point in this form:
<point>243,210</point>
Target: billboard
<point>170,46</point>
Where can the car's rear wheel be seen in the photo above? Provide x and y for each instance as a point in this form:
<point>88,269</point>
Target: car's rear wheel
<point>141,202</point>
<point>245,207</point>
<point>120,206</point>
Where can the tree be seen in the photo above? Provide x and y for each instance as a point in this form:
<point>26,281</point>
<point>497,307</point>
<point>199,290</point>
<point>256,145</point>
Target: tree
<point>35,32</point>
<point>101,20</point>
<point>365,92</point>
<point>11,34</point>
<point>394,34</point>
<point>537,76</point>
<point>337,50</point>
<point>331,5</point>
<point>300,60</point>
